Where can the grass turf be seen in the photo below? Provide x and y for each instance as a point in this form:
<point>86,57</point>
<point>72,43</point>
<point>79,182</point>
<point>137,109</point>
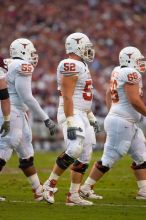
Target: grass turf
<point>118,188</point>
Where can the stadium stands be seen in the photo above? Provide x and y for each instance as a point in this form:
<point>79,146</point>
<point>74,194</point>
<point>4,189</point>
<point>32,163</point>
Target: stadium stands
<point>110,24</point>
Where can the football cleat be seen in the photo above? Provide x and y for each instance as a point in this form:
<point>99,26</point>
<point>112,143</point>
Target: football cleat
<point>141,196</point>
<point>38,193</point>
<point>74,199</point>
<point>89,193</point>
<point>49,190</point>
<point>2,199</point>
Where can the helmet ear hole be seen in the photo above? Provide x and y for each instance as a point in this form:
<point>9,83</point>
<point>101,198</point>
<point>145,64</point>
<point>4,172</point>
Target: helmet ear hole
<point>128,61</point>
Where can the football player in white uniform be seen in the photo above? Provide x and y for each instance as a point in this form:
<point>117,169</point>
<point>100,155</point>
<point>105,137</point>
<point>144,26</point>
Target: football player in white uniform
<point>75,117</point>
<point>124,136</point>
<point>5,106</point>
<point>20,68</point>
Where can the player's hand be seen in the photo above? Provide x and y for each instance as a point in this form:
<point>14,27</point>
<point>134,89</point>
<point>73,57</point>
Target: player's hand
<point>96,126</point>
<point>71,132</point>
<point>93,122</point>
<point>51,125</point>
<point>72,128</point>
<point>5,128</point>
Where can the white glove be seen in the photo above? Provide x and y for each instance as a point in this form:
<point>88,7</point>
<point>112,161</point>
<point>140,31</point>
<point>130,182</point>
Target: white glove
<point>93,122</point>
<point>72,128</point>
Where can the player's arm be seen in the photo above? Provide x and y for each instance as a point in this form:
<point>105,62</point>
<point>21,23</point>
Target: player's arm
<point>68,84</point>
<point>108,98</point>
<point>132,92</point>
<point>23,88</point>
<point>5,106</point>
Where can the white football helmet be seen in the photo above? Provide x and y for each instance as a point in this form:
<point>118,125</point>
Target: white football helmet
<point>80,45</point>
<point>24,49</point>
<point>132,57</point>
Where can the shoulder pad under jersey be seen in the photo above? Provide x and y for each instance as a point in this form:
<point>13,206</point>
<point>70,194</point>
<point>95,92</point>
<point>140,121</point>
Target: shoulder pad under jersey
<point>127,75</point>
<point>24,68</point>
<point>69,67</point>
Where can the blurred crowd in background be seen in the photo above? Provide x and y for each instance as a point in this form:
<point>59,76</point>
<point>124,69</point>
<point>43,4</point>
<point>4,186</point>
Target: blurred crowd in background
<point>110,24</point>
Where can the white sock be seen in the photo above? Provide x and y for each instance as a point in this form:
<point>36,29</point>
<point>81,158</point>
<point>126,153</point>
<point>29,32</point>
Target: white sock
<point>34,181</point>
<point>53,176</point>
<point>89,182</point>
<point>142,185</point>
<point>74,187</point>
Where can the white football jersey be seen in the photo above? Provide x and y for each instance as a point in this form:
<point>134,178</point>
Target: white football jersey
<point>83,94</point>
<point>19,78</point>
<point>120,105</point>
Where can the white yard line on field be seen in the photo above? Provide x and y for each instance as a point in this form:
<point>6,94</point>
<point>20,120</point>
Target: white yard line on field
<point>62,203</point>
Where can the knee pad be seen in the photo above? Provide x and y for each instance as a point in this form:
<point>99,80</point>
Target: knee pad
<point>100,167</point>
<point>25,163</point>
<point>139,166</point>
<point>2,163</point>
<point>79,167</point>
<point>64,161</point>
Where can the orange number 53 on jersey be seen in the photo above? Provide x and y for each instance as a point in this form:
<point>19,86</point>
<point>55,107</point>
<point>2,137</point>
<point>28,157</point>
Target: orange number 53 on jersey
<point>87,92</point>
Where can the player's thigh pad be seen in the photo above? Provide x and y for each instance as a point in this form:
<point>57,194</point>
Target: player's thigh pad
<point>88,144</point>
<point>74,147</point>
<point>16,126</point>
<point>5,152</point>
<point>79,122</point>
<point>118,140</point>
<point>138,147</point>
<point>25,150</point>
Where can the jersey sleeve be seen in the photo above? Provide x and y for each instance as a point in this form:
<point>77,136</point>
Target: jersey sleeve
<point>131,76</point>
<point>25,69</point>
<point>23,88</point>
<point>68,68</point>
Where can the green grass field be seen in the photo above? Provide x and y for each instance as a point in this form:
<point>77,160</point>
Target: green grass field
<point>118,188</point>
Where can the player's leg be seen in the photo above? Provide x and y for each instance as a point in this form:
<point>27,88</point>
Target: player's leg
<point>78,168</point>
<point>80,165</point>
<point>73,151</point>
<point>117,144</point>
<point>63,161</point>
<point>26,159</point>
<point>5,153</point>
<point>138,153</point>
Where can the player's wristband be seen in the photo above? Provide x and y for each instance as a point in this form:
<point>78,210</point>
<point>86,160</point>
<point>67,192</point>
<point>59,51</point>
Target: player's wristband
<point>70,121</point>
<point>91,117</point>
<point>7,118</point>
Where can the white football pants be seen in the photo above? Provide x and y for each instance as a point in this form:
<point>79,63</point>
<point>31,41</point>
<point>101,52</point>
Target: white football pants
<point>123,137</point>
<point>81,148</point>
<point>19,138</point>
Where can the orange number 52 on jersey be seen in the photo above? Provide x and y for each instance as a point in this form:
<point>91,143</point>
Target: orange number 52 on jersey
<point>69,67</point>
